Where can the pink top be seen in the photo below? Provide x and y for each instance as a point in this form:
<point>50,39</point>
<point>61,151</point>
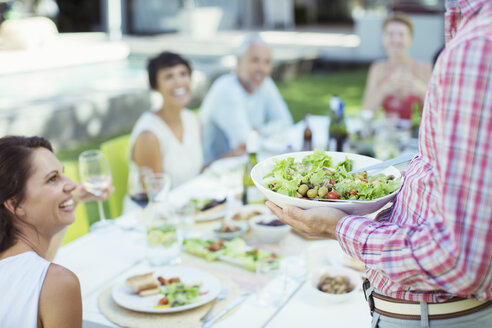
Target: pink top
<point>403,107</point>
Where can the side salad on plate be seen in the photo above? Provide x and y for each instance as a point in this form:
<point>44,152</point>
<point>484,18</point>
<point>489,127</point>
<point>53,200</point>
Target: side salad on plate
<point>168,289</point>
<point>178,294</point>
<point>317,177</point>
<point>234,251</point>
<point>173,292</point>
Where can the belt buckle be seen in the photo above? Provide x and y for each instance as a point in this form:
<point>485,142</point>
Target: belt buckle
<point>369,298</point>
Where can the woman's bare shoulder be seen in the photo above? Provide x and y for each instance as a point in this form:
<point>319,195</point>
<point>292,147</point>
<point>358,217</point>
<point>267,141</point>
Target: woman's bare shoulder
<point>60,277</point>
<point>146,142</point>
<point>146,137</point>
<point>60,301</point>
<point>378,67</point>
<point>379,64</point>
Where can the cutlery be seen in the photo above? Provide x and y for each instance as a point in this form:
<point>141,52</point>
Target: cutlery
<point>238,300</point>
<point>224,292</point>
<point>301,283</point>
<point>397,160</point>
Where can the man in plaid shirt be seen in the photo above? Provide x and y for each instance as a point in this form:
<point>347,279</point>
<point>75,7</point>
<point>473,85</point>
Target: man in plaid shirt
<point>435,243</point>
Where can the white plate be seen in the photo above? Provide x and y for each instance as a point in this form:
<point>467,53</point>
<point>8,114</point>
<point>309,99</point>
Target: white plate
<point>228,165</point>
<point>213,215</point>
<point>184,208</point>
<point>358,207</point>
<point>123,297</point>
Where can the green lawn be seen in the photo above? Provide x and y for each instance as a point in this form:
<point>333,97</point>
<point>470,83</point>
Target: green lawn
<point>312,93</point>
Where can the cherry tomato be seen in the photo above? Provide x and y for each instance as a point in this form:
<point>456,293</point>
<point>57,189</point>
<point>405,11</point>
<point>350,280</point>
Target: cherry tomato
<point>353,192</point>
<point>332,182</point>
<point>163,301</point>
<point>332,195</point>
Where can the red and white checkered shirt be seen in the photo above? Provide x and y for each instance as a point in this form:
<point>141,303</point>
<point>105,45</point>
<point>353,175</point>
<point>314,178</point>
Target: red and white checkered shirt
<point>436,240</point>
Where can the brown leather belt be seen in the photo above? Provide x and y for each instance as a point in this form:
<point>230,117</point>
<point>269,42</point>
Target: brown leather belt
<point>409,310</point>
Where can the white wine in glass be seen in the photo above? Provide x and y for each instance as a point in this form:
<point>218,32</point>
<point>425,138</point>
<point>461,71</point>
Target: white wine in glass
<point>95,177</point>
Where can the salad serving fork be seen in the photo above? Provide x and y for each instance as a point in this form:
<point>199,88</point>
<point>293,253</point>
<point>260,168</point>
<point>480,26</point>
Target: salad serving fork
<point>397,160</point>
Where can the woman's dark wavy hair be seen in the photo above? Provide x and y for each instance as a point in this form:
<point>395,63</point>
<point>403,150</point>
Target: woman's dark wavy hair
<point>15,170</point>
<point>164,60</point>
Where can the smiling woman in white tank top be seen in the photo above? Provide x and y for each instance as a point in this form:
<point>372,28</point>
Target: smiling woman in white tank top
<point>169,139</point>
<point>36,203</point>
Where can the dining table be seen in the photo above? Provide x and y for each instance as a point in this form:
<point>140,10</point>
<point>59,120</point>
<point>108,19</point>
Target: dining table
<point>105,257</point>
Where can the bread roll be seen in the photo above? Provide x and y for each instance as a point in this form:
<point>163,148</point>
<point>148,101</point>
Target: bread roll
<point>141,282</point>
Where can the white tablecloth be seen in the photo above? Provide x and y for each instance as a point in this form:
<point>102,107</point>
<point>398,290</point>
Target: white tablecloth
<point>101,258</point>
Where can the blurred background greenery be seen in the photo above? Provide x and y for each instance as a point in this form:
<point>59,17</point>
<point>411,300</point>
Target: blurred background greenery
<point>305,94</point>
<point>311,93</point>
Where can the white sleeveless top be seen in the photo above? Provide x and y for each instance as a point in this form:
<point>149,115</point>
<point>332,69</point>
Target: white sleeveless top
<point>181,160</point>
<point>21,279</point>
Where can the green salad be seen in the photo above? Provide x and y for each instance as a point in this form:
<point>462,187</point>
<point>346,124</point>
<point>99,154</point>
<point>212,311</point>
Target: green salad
<point>235,249</point>
<point>178,294</point>
<point>317,177</point>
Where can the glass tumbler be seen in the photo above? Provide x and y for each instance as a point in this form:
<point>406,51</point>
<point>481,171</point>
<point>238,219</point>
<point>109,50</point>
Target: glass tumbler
<point>162,244</point>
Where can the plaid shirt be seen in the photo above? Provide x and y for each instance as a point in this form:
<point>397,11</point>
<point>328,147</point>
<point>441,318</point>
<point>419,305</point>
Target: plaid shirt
<point>435,241</point>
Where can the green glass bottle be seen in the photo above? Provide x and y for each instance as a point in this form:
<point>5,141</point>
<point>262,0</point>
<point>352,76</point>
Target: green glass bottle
<point>337,130</point>
<point>415,119</point>
<point>251,194</point>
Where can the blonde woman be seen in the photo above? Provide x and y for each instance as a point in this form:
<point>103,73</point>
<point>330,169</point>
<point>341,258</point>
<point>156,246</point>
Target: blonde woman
<point>399,82</point>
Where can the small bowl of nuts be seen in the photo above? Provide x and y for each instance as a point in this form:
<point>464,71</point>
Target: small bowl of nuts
<point>333,283</point>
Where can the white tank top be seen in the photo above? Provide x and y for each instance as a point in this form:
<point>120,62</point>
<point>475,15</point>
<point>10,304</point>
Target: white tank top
<point>21,279</point>
<point>181,160</point>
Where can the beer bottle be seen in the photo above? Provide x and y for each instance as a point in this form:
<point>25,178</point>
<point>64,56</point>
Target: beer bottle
<point>307,144</point>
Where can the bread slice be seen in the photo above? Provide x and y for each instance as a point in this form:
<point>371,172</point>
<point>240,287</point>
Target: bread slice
<point>141,282</point>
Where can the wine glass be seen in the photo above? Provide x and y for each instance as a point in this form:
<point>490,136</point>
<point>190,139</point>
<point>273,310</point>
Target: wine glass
<point>96,178</point>
<point>136,185</point>
<point>157,186</point>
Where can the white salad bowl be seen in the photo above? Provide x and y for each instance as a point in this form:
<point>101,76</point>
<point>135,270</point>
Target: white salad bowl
<point>352,207</point>
<point>265,233</point>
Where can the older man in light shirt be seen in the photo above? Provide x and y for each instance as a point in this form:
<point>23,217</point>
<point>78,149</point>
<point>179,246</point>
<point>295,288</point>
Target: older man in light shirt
<point>241,101</point>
